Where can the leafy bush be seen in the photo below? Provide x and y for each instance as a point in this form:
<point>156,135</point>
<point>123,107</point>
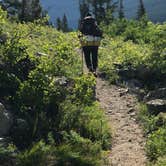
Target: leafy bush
<point>3,15</point>
<point>40,80</point>
<point>154,127</point>
<point>161,161</point>
<point>7,154</point>
<point>134,44</point>
<point>37,155</point>
<point>87,121</point>
<point>75,150</point>
<point>78,151</point>
<point>156,144</point>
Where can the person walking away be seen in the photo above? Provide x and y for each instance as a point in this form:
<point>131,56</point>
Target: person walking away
<point>90,40</point>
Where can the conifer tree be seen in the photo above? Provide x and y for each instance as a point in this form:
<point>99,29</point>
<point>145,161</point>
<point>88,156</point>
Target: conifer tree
<point>121,10</point>
<point>58,24</point>
<point>23,10</point>
<point>100,8</point>
<point>27,10</point>
<point>141,10</point>
<point>65,27</point>
<point>84,8</point>
<point>36,9</point>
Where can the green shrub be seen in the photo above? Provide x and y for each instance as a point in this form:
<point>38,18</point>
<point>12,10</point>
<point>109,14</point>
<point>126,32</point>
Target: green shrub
<point>3,16</point>
<point>134,44</point>
<point>75,150</point>
<point>88,121</point>
<point>84,89</point>
<point>37,155</point>
<point>156,144</point>
<point>161,161</point>
<point>154,127</point>
<point>40,73</point>
<point>78,151</point>
<point>7,153</point>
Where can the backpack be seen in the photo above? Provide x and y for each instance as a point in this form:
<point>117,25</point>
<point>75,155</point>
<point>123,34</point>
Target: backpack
<point>89,27</point>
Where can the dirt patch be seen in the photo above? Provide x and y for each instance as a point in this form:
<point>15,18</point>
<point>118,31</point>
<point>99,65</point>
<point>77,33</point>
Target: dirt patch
<point>128,141</point>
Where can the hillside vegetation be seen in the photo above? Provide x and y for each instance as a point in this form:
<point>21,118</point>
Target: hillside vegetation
<point>137,46</point>
<point>56,118</point>
<point>133,53</point>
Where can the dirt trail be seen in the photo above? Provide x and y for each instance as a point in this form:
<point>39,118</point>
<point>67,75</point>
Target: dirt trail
<point>128,141</point>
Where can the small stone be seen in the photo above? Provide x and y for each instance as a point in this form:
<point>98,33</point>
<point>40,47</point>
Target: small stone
<point>132,114</point>
<point>109,111</point>
<point>131,111</point>
<point>123,92</point>
<point>159,93</point>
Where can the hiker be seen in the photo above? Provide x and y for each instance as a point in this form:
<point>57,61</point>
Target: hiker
<point>90,40</point>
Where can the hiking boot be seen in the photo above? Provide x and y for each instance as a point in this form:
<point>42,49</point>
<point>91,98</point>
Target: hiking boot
<point>90,69</point>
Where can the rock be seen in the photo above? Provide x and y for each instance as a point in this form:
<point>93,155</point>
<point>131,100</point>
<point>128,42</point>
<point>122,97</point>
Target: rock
<point>133,114</point>
<point>159,94</point>
<point>61,80</point>
<point>126,73</point>
<point>156,106</point>
<point>5,120</point>
<point>143,72</point>
<point>123,92</point>
<point>21,133</point>
<point>134,84</point>
<point>131,111</point>
<point>4,142</point>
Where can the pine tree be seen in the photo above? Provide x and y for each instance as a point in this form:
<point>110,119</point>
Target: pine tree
<point>121,10</point>
<point>84,8</point>
<point>23,10</point>
<point>100,8</point>
<point>65,27</point>
<point>27,10</point>
<point>15,4</point>
<point>141,10</point>
<point>58,24</point>
<point>36,9</point>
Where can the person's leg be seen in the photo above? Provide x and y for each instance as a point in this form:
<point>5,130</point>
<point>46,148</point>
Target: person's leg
<point>87,57</point>
<point>95,57</point>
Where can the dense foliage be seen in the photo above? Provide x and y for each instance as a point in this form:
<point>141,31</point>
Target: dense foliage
<point>136,50</point>
<point>57,120</point>
<point>138,45</point>
<point>155,129</point>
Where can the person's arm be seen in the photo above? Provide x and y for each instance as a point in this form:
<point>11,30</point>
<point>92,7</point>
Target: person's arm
<point>81,27</point>
<point>98,31</point>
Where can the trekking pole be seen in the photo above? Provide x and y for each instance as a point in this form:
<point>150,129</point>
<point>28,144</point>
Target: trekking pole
<point>82,54</point>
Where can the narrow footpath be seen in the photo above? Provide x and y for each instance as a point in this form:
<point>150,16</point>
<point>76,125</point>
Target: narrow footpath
<point>128,141</point>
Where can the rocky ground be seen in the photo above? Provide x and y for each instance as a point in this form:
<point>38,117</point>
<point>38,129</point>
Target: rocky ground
<point>128,140</point>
